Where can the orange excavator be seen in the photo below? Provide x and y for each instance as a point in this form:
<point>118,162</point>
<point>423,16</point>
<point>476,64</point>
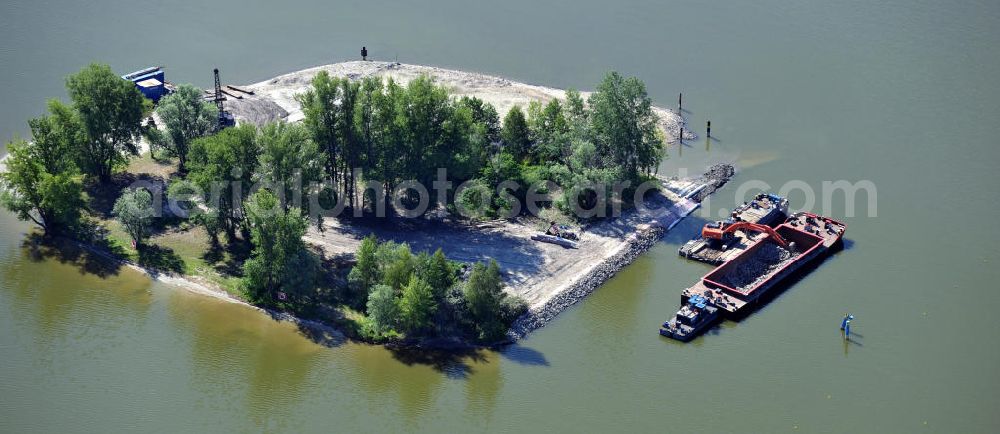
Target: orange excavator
<point>723,231</point>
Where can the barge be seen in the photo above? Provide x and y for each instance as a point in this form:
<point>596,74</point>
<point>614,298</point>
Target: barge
<point>765,209</point>
<point>735,287</point>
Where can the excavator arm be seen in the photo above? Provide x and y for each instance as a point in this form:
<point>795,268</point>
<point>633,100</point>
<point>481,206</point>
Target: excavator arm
<point>718,231</point>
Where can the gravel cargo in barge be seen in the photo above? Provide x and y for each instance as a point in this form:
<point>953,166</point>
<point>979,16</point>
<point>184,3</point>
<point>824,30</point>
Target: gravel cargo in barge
<point>740,283</point>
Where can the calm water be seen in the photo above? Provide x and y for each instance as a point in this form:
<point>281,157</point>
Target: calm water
<point>901,93</point>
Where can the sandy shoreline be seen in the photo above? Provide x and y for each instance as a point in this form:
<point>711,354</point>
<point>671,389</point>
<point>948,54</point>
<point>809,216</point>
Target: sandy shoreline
<point>274,99</point>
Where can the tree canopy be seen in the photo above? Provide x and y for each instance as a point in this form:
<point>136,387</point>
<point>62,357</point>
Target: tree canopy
<point>134,211</point>
<point>624,125</point>
<point>41,182</point>
<point>111,111</point>
<point>280,260</point>
<point>186,116</point>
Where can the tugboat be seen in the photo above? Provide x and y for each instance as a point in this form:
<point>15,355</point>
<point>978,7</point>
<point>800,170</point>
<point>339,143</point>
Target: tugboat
<point>696,315</point>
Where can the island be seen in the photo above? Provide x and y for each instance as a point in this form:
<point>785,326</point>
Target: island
<point>390,203</point>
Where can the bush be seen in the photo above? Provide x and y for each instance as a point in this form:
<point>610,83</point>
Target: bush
<point>417,305</point>
<point>134,211</point>
<point>383,310</point>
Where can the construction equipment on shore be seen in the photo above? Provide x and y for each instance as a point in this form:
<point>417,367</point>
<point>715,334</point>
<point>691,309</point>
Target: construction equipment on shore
<point>226,119</point>
<point>545,238</point>
<point>558,234</point>
<point>722,232</point>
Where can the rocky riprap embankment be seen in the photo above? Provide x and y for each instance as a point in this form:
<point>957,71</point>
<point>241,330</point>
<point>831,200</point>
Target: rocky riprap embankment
<point>639,243</point>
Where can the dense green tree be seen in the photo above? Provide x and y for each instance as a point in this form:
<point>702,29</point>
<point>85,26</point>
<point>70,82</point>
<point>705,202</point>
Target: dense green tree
<point>624,125</point>
<point>485,114</point>
<point>280,260</point>
<point>552,134</point>
<point>322,111</point>
<point>51,200</point>
<point>57,136</point>
<point>134,210</point>
<point>400,266</point>
<point>383,308</point>
<point>289,160</point>
<point>417,305</point>
<point>365,273</point>
<point>186,116</point>
<point>41,182</point>
<point>575,108</point>
<point>223,166</point>
<point>111,111</point>
<point>484,294</point>
<point>353,146</point>
<point>437,273</point>
<point>515,134</point>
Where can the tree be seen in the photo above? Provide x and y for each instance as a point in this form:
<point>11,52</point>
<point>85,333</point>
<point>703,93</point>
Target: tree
<point>515,134</point>
<point>365,273</point>
<point>222,166</point>
<point>437,273</point>
<point>111,110</point>
<point>417,305</point>
<point>289,160</point>
<point>383,310</point>
<point>484,294</point>
<point>552,133</point>
<point>321,108</point>
<point>41,182</point>
<point>134,211</point>
<point>399,265</point>
<point>186,116</point>
<point>279,260</point>
<point>485,114</point>
<point>624,125</point>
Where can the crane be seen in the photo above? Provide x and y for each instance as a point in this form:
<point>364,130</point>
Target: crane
<point>226,119</point>
<point>723,231</point>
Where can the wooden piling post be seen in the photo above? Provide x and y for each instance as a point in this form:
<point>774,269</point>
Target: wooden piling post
<point>708,129</point>
<point>680,99</point>
<point>680,142</point>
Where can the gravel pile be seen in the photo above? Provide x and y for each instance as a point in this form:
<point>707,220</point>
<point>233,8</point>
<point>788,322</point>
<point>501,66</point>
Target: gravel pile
<point>752,271</point>
<point>716,176</point>
<point>256,110</point>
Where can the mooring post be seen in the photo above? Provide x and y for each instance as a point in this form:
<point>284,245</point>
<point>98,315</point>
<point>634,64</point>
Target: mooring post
<point>708,128</point>
<point>680,100</point>
<point>680,142</point>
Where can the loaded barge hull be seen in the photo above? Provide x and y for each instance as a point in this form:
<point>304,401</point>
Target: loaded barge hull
<point>732,289</point>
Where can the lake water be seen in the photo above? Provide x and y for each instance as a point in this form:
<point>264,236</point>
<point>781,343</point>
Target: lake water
<point>900,93</point>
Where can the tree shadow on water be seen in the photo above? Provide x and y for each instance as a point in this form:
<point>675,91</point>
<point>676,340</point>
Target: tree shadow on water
<point>524,355</point>
<point>454,363</point>
<point>39,248</point>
